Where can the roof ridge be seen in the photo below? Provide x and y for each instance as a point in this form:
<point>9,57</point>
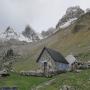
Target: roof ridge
<point>55,55</point>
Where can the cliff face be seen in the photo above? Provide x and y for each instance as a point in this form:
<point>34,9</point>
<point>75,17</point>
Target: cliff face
<point>30,34</point>
<point>8,34</point>
<point>72,13</point>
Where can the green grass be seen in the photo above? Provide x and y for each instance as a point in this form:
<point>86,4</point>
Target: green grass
<point>22,82</point>
<point>81,81</point>
<point>84,56</point>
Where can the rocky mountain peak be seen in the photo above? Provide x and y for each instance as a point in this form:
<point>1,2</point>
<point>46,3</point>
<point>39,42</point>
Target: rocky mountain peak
<point>30,33</point>
<point>47,33</point>
<point>71,13</point>
<point>27,35</point>
<point>87,10</point>
<point>9,33</point>
<point>9,30</point>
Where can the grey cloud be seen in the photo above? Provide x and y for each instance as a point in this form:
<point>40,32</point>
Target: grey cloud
<point>40,14</point>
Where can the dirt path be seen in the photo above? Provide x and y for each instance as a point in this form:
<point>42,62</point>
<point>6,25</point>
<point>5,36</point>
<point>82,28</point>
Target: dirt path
<point>43,84</point>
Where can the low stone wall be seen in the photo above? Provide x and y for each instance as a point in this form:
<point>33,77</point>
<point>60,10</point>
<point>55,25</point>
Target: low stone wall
<point>84,66</point>
<point>31,73</point>
<point>67,87</point>
<point>40,74</point>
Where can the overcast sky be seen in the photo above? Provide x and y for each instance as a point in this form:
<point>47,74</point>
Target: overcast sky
<point>39,14</point>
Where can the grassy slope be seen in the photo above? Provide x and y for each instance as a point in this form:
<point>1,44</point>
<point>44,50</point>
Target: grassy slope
<point>80,81</point>
<point>22,82</point>
<point>63,41</point>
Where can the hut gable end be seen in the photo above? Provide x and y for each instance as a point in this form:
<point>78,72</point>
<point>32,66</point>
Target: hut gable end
<point>56,56</point>
<point>45,57</point>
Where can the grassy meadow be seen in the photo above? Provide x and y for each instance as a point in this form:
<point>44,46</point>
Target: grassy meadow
<point>80,81</point>
<point>22,82</point>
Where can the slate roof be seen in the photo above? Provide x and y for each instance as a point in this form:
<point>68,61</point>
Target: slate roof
<point>56,56</point>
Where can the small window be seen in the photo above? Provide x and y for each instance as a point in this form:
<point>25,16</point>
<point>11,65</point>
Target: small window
<point>45,63</point>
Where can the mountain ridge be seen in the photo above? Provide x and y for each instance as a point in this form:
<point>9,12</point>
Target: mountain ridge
<point>10,34</point>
